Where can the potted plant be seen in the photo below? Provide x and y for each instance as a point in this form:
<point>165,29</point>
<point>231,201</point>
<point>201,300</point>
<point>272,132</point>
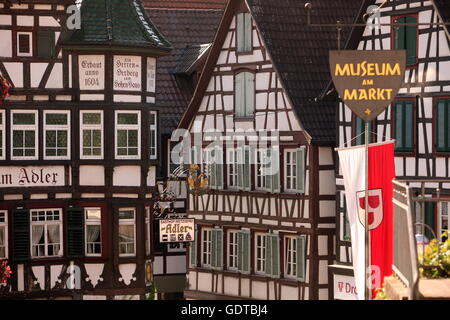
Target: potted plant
<point>5,271</point>
<point>4,88</point>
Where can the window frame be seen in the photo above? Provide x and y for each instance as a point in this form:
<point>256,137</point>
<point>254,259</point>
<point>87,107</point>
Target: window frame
<point>153,128</point>
<point>393,107</point>
<point>5,225</point>
<point>232,235</point>
<point>233,163</point>
<point>260,253</point>
<point>92,127</point>
<point>260,179</point>
<point>127,222</point>
<point>53,127</point>
<point>88,222</point>
<point>208,253</point>
<point>30,53</point>
<point>294,165</point>
<point>393,44</point>
<point>127,127</point>
<point>436,101</point>
<point>46,223</point>
<point>292,255</point>
<point>3,134</point>
<point>27,127</point>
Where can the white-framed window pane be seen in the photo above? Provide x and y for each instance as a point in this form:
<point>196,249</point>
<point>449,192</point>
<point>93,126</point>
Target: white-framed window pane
<point>126,239</point>
<point>91,134</point>
<point>127,135</point>
<point>2,134</point>
<point>3,235</point>
<point>206,247</point>
<point>260,253</point>
<point>291,257</point>
<point>153,135</point>
<point>93,239</point>
<point>46,233</point>
<point>24,134</point>
<point>291,170</point>
<point>57,134</point>
<point>233,250</point>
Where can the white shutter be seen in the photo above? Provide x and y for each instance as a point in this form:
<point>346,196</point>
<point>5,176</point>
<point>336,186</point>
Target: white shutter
<point>300,170</point>
<point>244,251</point>
<point>267,165</point>
<point>240,167</point>
<point>219,168</point>
<point>268,241</point>
<point>239,93</point>
<point>275,255</point>
<point>247,169</point>
<point>249,94</point>
<point>275,169</point>
<point>248,46</point>
<point>193,251</point>
<point>240,23</point>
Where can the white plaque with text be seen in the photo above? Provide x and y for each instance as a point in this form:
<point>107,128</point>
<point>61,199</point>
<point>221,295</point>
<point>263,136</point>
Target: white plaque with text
<point>91,72</point>
<point>344,288</point>
<point>127,73</point>
<point>32,176</point>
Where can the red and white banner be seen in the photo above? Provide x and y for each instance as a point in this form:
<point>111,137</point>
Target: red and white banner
<point>381,173</point>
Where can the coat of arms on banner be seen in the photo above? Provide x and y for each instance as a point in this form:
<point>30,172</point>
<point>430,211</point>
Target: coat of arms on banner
<point>375,209</point>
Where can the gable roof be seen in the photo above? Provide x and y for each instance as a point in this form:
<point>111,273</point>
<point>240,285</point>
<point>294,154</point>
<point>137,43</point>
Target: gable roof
<point>183,28</point>
<point>299,54</point>
<point>117,23</point>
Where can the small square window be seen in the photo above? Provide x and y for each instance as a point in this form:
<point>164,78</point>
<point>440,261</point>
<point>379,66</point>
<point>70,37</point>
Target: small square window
<point>24,44</point>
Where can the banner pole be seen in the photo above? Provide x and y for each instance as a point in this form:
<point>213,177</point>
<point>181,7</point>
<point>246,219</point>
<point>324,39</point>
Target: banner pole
<point>366,218</point>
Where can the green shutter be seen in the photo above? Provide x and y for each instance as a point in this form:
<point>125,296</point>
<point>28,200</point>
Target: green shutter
<point>212,169</point>
<point>75,232</point>
<point>267,166</point>
<point>301,258</point>
<point>240,25</point>
<point>247,169</point>
<point>275,255</point>
<point>240,94</point>
<point>219,168</point>
<point>409,126</point>
<point>21,235</point>
<point>268,241</point>
<point>442,128</point>
<point>217,248</point>
<point>411,41</point>
<point>301,170</point>
<point>430,221</point>
<point>248,29</point>
<point>249,94</point>
<point>193,251</point>
<point>275,169</point>
<point>45,44</point>
<point>240,167</point>
<point>400,38</point>
<point>244,251</point>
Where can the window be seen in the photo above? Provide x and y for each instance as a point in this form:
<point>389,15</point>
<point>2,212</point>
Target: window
<point>214,167</point>
<point>295,257</point>
<point>46,44</point>
<point>24,44</point>
<point>3,234</point>
<point>128,134</point>
<point>57,134</point>
<point>147,231</point>
<point>233,164</point>
<point>244,32</point>
<point>443,126</point>
<point>260,165</point>
<point>405,38</point>
<point>127,232</point>
<point>46,233</point>
<point>93,234</point>
<point>268,170</point>
<point>443,220</point>
<point>244,94</point>
<point>295,170</point>
<point>360,131</point>
<point>24,132</point>
<point>153,135</point>
<point>233,250</point>
<point>260,248</point>
<point>2,135</point>
<point>206,247</point>
<point>244,251</point>
<point>403,115</point>
<point>91,134</point>
<point>291,257</point>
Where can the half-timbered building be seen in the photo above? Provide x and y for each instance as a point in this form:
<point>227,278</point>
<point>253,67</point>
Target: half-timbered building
<point>266,225</point>
<point>190,28</point>
<point>79,148</point>
<point>418,119</point>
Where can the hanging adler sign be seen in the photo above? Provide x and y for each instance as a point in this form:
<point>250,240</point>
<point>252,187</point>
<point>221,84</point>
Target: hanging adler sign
<point>176,230</point>
<point>368,81</point>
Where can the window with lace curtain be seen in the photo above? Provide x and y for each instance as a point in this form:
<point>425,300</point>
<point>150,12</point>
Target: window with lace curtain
<point>3,234</point>
<point>93,234</point>
<point>46,233</point>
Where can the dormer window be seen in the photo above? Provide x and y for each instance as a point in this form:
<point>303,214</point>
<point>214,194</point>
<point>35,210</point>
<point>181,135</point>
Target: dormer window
<point>244,93</point>
<point>244,33</point>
